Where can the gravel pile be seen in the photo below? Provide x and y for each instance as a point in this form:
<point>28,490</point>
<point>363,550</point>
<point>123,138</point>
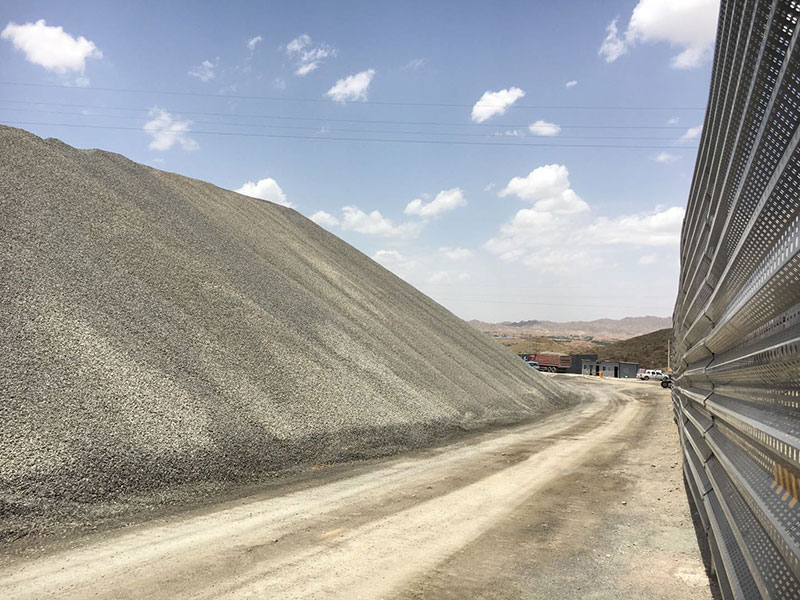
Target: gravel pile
<point>160,333</point>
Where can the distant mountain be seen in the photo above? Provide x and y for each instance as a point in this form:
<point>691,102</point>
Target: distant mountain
<point>599,330</point>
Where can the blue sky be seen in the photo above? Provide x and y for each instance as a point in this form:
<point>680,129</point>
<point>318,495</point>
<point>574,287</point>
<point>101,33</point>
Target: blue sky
<point>514,224</point>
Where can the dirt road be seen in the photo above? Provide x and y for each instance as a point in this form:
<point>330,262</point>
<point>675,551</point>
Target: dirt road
<point>554,509</point>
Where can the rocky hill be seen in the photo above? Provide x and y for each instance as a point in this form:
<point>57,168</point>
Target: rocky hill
<point>649,350</point>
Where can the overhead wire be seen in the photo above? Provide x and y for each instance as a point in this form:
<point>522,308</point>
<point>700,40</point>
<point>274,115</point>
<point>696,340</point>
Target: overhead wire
<point>343,130</point>
<point>357,139</point>
<point>323,133</point>
<point>328,100</point>
<point>333,120</point>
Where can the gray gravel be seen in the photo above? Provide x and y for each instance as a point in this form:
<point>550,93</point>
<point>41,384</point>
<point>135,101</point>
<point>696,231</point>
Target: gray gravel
<point>160,334</point>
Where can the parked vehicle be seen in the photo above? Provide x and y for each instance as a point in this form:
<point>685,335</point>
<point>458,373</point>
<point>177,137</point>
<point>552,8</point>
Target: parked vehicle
<point>650,374</point>
<point>532,363</point>
<point>553,362</point>
<point>667,381</point>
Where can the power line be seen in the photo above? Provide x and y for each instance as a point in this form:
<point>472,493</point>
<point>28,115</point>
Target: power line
<point>355,139</point>
<point>335,120</point>
<point>326,101</point>
<point>317,128</point>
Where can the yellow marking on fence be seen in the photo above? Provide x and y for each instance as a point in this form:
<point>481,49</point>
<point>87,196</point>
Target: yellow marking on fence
<point>785,484</point>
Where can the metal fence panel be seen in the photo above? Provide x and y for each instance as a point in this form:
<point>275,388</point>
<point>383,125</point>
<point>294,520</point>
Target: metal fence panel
<point>736,397</point>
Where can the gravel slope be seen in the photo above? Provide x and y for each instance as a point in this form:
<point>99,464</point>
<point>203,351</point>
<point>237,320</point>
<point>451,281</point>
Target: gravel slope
<point>161,332</point>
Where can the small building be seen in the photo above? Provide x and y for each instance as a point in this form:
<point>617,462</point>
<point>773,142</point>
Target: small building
<point>609,368</point>
<point>590,366</point>
<point>577,362</point>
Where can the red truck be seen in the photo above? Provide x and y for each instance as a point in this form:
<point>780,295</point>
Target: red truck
<point>553,362</point>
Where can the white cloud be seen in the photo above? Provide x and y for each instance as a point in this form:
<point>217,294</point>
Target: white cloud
<point>556,260</point>
<point>489,187</point>
<point>388,256</point>
<point>548,242</point>
<point>673,121</point>
<point>204,71</point>
<point>396,262</point>
<point>265,189</point>
<point>665,157</point>
<point>647,259</point>
<point>528,228</point>
<point>689,25</point>
<point>353,87</point>
<point>167,131</point>
<point>571,83</point>
<point>445,201</point>
<point>253,42</point>
<point>305,69</point>
<point>373,223</point>
<point>544,128</point>
<point>661,228</point>
<point>456,253</point>
<point>279,83</point>
<point>448,277</point>
<point>692,133</point>
<point>549,189</point>
<point>612,47</point>
<point>414,65</point>
<point>298,43</point>
<point>52,47</point>
<point>556,234</point>
<point>324,219</point>
<point>307,56</point>
<point>495,103</point>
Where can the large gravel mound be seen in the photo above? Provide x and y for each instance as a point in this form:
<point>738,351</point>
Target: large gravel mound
<point>158,331</point>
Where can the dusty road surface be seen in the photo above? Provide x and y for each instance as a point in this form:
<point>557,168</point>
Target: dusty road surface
<point>587,503</point>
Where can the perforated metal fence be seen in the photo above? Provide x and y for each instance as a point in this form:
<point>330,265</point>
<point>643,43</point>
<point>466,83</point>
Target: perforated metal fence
<point>737,316</point>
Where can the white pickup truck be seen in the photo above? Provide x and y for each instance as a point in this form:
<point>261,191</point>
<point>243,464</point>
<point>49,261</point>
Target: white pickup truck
<point>650,374</point>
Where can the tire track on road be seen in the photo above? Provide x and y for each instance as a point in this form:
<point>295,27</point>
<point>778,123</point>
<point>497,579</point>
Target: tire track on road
<point>360,536</point>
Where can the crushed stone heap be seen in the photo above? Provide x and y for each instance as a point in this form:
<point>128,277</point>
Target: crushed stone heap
<point>159,331</point>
